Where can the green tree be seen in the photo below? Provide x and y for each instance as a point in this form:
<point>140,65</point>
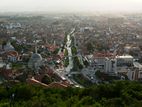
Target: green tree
<point>46,79</point>
<point>90,47</point>
<point>66,52</point>
<point>74,50</point>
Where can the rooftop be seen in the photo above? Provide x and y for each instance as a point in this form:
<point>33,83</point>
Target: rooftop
<point>125,56</point>
<point>103,54</point>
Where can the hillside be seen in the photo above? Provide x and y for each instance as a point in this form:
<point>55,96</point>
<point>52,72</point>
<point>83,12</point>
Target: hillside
<point>116,94</point>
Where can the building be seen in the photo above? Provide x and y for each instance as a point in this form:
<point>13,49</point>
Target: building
<point>99,56</point>
<point>8,47</point>
<point>1,62</point>
<point>12,56</point>
<point>106,62</point>
<point>138,73</point>
<point>110,66</point>
<point>124,60</point>
<point>35,61</point>
<point>127,66</point>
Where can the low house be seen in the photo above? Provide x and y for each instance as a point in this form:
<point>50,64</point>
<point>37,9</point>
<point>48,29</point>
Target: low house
<point>12,56</point>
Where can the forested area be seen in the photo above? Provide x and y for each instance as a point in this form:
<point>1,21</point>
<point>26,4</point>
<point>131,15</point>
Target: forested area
<point>115,94</point>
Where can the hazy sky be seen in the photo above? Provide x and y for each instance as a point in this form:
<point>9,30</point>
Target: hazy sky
<point>72,5</point>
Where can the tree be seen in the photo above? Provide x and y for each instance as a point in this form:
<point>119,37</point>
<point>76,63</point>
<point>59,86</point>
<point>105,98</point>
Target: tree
<point>23,92</point>
<point>17,47</point>
<point>66,61</point>
<point>77,64</point>
<point>90,47</point>
<point>56,51</point>
<point>115,94</point>
<point>66,52</point>
<point>46,79</point>
<point>74,50</point>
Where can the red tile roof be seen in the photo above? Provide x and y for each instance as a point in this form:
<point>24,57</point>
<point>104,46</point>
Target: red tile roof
<point>103,54</point>
<point>61,55</point>
<point>12,53</point>
<point>36,82</point>
<point>51,47</point>
<point>52,85</point>
<point>6,73</point>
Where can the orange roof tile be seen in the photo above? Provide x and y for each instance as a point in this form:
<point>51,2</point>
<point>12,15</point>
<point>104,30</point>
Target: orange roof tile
<point>52,85</point>
<point>12,53</point>
<point>103,54</point>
